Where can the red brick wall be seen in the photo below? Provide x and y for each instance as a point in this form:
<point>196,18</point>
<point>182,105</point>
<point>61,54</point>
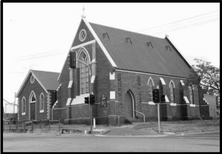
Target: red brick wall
<point>102,87</point>
<point>150,112</point>
<point>62,93</point>
<point>102,82</point>
<point>89,37</point>
<point>129,81</point>
<point>26,91</point>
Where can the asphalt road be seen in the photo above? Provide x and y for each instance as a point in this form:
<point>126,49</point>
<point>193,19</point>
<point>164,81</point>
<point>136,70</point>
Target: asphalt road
<point>204,142</point>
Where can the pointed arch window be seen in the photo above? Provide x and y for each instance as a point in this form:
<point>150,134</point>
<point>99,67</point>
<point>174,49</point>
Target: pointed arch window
<point>172,91</point>
<point>41,104</point>
<point>84,71</point>
<point>150,89</point>
<point>23,105</point>
<point>32,97</point>
<point>191,93</point>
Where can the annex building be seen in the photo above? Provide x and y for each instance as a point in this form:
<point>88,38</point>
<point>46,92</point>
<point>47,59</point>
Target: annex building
<point>121,69</point>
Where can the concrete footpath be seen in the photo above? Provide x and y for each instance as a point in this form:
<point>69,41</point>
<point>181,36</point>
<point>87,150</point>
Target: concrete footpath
<point>151,128</point>
<point>148,129</point>
<point>124,130</point>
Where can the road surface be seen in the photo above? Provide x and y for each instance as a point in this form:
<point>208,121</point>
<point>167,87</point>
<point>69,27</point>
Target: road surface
<point>203,142</point>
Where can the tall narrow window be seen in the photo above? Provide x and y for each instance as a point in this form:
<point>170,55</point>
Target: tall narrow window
<point>23,105</point>
<point>191,90</point>
<point>150,89</point>
<point>41,104</point>
<point>172,91</point>
<point>32,97</point>
<point>84,72</point>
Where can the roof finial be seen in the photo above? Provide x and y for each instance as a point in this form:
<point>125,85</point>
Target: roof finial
<point>83,9</point>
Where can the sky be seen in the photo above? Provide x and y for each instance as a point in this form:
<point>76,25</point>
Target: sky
<point>39,35</point>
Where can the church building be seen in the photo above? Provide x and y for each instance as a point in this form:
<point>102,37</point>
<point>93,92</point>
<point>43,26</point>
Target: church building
<point>121,69</point>
<point>37,95</point>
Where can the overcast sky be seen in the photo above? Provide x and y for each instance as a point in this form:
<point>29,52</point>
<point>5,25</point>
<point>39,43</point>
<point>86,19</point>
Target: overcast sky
<point>39,35</point>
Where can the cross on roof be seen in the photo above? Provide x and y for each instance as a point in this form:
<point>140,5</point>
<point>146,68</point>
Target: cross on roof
<point>83,9</point>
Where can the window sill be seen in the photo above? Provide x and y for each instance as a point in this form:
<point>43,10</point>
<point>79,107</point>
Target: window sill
<point>79,99</point>
<point>151,103</point>
<point>192,105</point>
<point>173,104</point>
<point>23,113</point>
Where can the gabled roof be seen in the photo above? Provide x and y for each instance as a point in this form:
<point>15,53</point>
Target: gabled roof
<point>131,51</point>
<point>48,80</point>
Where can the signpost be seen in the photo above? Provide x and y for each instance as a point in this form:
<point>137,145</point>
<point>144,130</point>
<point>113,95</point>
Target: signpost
<point>158,112</point>
<point>90,107</point>
<point>156,99</point>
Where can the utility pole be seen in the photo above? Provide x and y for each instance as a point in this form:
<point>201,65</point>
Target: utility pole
<point>14,102</point>
<point>90,107</point>
<point>156,99</point>
<point>158,112</point>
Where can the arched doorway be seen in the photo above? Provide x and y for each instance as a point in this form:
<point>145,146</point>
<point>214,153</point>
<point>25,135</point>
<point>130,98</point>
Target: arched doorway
<point>129,105</point>
<point>32,106</point>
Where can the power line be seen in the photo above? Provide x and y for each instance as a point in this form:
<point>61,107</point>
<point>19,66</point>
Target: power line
<point>178,21</point>
<point>52,53</point>
<point>186,26</point>
<point>40,55</point>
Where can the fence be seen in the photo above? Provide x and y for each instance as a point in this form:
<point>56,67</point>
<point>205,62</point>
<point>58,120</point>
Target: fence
<point>25,126</point>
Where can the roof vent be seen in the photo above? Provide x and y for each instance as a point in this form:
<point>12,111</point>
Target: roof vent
<point>168,48</point>
<point>149,44</point>
<point>128,40</point>
<point>105,35</point>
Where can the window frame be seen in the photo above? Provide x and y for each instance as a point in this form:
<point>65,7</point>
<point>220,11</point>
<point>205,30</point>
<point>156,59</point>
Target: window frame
<point>150,85</point>
<point>172,91</point>
<point>83,71</point>
<point>23,105</point>
<point>191,93</point>
<point>41,104</point>
<point>80,35</point>
<point>32,79</point>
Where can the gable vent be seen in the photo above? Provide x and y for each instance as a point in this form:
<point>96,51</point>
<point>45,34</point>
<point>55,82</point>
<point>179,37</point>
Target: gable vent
<point>149,44</point>
<point>128,40</point>
<point>105,35</point>
<point>168,48</point>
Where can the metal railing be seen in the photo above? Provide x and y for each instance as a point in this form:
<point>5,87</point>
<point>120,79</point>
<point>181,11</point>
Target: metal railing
<point>142,114</point>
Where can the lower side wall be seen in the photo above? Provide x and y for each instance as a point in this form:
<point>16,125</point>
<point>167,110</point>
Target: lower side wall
<point>79,114</point>
<point>204,111</point>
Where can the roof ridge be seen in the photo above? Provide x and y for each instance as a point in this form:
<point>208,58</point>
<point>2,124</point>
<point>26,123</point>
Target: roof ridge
<point>43,71</point>
<point>127,31</point>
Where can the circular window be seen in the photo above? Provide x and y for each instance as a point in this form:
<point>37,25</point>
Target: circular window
<point>82,35</point>
<point>32,79</point>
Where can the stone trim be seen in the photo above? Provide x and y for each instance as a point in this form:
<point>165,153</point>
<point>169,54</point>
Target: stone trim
<point>173,104</point>
<point>68,101</point>
<point>112,95</point>
<point>192,105</point>
<point>112,76</point>
<point>162,81</point>
<point>48,105</point>
<point>186,99</point>
<point>55,104</point>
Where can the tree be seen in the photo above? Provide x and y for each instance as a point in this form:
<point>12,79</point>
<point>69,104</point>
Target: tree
<point>207,75</point>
